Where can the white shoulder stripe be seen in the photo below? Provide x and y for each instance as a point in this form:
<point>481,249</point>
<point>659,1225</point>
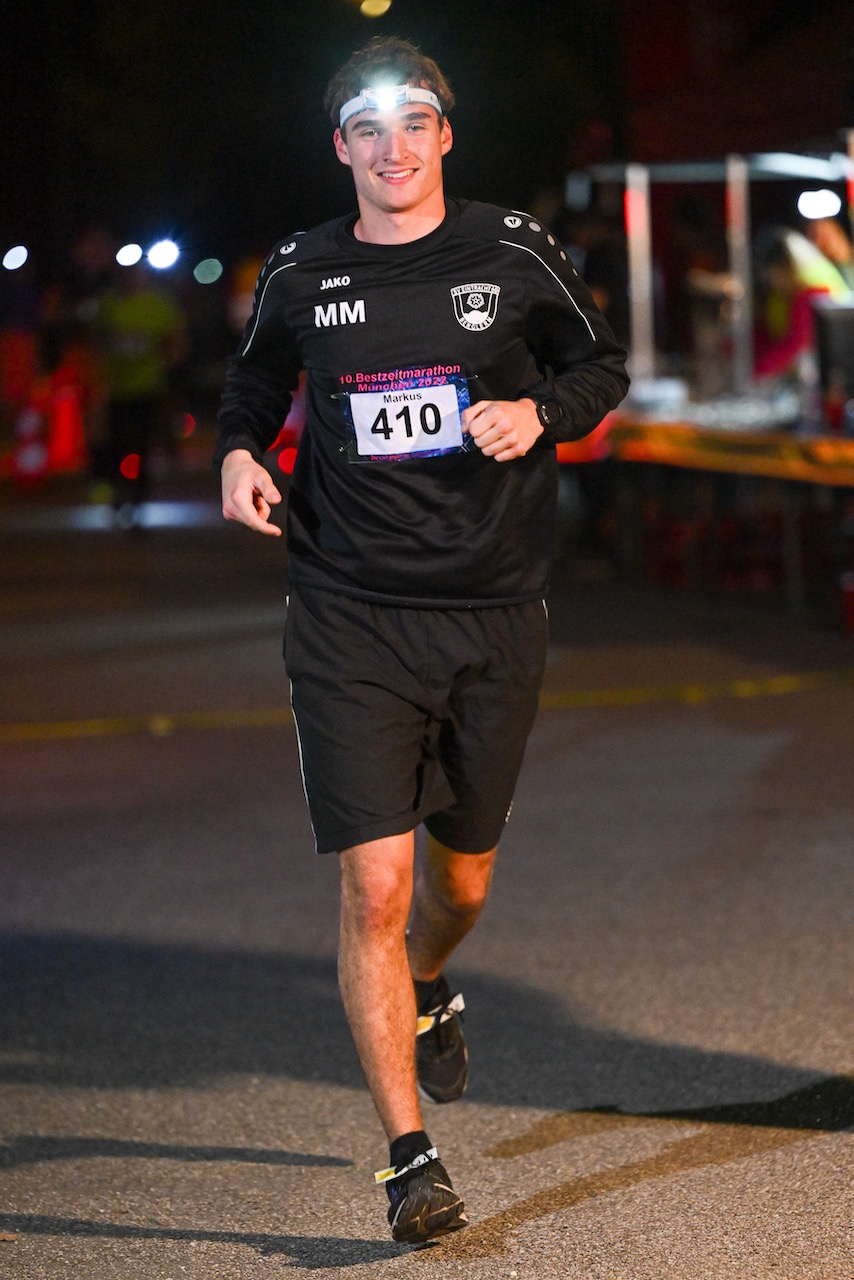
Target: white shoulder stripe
<point>511,244</point>
<point>284,267</point>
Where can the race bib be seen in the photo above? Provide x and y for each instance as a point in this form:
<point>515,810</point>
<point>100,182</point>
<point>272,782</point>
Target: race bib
<point>405,413</point>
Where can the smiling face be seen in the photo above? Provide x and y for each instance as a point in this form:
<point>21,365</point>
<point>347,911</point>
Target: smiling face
<point>396,160</point>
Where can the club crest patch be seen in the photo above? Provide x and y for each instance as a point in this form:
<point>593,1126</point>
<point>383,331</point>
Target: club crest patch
<point>476,305</point>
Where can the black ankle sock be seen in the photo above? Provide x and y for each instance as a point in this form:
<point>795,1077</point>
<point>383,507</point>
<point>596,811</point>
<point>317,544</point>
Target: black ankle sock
<point>426,991</point>
<point>409,1145</point>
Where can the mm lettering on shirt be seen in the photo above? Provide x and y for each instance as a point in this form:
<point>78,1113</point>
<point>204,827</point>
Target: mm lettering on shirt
<point>335,313</point>
<point>401,414</point>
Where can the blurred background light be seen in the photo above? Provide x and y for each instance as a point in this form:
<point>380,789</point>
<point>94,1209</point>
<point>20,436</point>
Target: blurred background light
<point>287,459</point>
<point>129,255</point>
<point>15,257</point>
<point>819,204</point>
<point>374,8</point>
<point>163,254</point>
<point>208,270</point>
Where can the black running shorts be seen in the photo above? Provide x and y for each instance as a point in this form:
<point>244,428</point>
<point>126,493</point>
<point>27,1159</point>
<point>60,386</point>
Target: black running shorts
<point>411,715</point>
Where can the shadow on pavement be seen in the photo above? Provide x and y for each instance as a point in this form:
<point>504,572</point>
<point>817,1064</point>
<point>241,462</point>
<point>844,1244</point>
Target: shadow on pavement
<point>18,1151</point>
<point>100,1013</point>
<point>311,1252</point>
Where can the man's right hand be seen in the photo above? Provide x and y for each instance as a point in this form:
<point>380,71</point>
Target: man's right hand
<point>248,492</point>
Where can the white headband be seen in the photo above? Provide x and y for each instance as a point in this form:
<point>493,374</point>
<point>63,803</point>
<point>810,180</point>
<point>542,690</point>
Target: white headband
<point>386,99</point>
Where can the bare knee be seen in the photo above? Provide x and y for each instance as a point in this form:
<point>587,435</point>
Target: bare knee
<point>459,882</point>
<point>374,908</point>
<point>376,891</point>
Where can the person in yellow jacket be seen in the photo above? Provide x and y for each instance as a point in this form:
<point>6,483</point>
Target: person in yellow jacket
<point>141,330</point>
<point>792,274</point>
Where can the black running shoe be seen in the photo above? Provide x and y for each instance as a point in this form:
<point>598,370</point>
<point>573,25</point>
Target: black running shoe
<point>423,1204</point>
<point>441,1057</point>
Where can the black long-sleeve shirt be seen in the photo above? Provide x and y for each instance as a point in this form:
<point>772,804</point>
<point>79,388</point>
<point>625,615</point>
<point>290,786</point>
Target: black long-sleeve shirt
<point>388,501</point>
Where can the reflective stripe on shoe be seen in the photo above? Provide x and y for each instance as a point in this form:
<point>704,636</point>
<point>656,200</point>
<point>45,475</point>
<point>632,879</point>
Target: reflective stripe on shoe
<point>386,1175</point>
<point>427,1021</point>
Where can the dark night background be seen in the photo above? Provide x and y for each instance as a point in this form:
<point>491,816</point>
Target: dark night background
<point>205,121</point>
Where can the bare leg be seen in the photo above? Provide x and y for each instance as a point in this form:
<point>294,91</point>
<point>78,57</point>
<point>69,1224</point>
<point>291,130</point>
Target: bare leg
<point>449,895</point>
<point>374,975</point>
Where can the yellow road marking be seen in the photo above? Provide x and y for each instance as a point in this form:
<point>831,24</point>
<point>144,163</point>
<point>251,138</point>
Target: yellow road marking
<point>768,686</point>
<point>158,726</point>
<point>163,725</point>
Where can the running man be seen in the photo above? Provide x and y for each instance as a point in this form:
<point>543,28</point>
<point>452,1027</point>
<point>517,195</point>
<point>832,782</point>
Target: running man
<point>447,345</point>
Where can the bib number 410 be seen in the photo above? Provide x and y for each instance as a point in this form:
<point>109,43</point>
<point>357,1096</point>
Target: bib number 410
<point>429,422</point>
<point>409,421</point>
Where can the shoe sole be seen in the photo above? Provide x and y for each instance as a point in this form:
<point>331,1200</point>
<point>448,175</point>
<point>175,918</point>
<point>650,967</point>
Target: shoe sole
<point>427,1221</point>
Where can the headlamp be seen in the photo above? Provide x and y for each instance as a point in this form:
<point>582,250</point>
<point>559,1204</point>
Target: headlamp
<point>386,99</point>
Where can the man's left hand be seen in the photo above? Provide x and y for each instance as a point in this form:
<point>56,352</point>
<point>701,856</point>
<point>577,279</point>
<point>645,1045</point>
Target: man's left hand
<point>503,429</point>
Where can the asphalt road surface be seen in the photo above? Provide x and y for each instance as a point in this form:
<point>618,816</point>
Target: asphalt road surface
<point>659,994</point>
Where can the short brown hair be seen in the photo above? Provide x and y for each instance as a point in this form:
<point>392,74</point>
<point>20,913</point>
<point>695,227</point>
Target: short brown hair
<point>385,56</point>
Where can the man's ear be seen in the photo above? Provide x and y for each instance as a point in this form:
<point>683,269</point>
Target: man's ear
<point>340,145</point>
<point>446,136</point>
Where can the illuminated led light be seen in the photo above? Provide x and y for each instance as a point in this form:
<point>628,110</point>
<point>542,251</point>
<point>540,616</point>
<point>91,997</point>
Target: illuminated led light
<point>386,98</point>
<point>129,255</point>
<point>374,8</point>
<point>208,270</point>
<point>163,254</point>
<point>819,204</point>
<point>15,258</point>
<point>129,466</point>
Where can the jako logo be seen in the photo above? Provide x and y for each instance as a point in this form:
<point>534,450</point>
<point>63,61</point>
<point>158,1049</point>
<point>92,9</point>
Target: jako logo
<point>335,282</point>
<point>339,313</point>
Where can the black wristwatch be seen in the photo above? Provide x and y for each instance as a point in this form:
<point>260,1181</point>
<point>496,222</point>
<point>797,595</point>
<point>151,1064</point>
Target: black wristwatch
<point>549,411</point>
